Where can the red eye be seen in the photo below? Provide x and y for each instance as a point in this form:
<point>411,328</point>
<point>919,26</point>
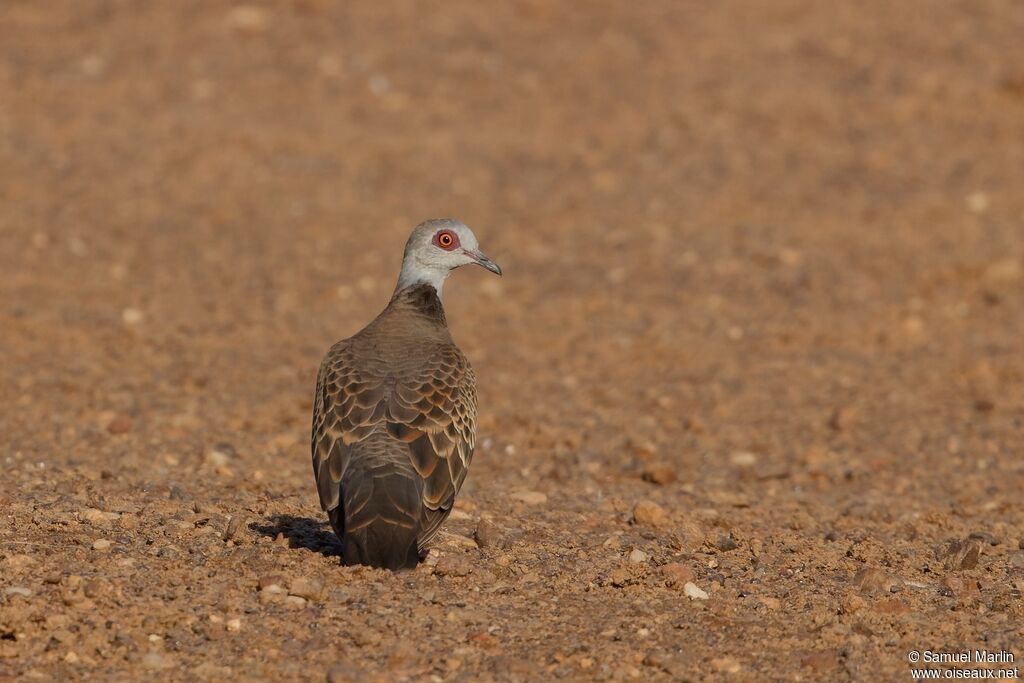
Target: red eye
<point>446,240</point>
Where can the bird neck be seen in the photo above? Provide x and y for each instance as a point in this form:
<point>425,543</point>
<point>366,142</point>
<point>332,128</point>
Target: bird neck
<point>423,299</point>
<point>414,274</point>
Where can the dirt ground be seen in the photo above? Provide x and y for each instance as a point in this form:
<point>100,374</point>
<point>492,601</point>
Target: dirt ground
<point>759,332</point>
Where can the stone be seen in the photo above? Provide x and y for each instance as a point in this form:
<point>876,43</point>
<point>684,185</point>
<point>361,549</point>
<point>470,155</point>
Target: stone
<point>307,587</point>
<point>232,528</point>
<point>272,593</point>
<point>98,518</point>
<point>743,459</point>
<point>726,665</point>
<point>851,604</point>
<point>154,661</point>
<point>101,545</point>
<point>649,513</point>
<point>660,473</point>
<point>453,566</point>
<point>619,577</point>
<point>220,455</point>
<point>672,663</point>
<point>120,424</point>
<point>891,606</point>
<point>873,581</point>
<point>294,602</point>
<point>638,556</point>
<point>725,542</point>
<point>977,202</point>
<point>247,19</point>
<point>530,497</point>
<point>960,554</point>
<point>677,574</point>
<point>960,587</point>
<point>271,580</point>
<point>842,418</point>
<point>95,588</point>
<point>345,673</point>
<point>490,535</point>
<point>693,592</point>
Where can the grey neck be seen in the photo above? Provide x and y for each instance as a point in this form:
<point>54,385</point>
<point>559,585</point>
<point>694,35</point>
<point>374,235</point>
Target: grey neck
<point>413,274</point>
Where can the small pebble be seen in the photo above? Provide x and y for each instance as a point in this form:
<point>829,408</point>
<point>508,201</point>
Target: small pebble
<point>873,581</point>
<point>220,455</point>
<point>272,593</point>
<point>725,542</point>
<point>294,602</point>
<point>120,424</point>
<point>977,202</point>
<point>677,574</point>
<point>307,587</point>
<point>231,530</point>
<point>154,661</point>
<point>132,316</point>
<point>659,473</point>
<point>271,580</point>
<point>637,556</point>
<point>345,673</point>
<point>693,592</point>
<point>842,418</point>
<point>649,513</point>
<point>247,18</point>
<point>490,535</point>
<point>619,577</point>
<point>743,459</point>
<point>960,554</point>
<point>96,517</point>
<point>101,544</point>
<point>726,665</point>
<point>672,663</point>
<point>530,497</point>
<point>960,587</point>
<point>453,565</point>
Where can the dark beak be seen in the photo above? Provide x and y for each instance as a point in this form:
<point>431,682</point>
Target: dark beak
<point>487,263</point>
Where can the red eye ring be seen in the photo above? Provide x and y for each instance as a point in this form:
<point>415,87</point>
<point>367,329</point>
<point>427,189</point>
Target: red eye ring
<point>446,239</point>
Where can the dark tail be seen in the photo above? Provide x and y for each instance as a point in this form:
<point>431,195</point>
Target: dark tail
<point>378,520</point>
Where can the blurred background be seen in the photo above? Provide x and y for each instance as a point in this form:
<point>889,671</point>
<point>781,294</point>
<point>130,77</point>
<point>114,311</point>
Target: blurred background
<point>764,268</point>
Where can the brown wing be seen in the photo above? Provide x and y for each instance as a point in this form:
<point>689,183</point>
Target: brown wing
<point>347,406</point>
<point>432,408</point>
<point>436,415</point>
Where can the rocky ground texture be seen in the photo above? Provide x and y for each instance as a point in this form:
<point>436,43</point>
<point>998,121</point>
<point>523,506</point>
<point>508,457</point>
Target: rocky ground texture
<point>752,387</point>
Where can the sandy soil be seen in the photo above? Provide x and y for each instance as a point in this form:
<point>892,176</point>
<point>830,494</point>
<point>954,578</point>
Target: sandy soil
<point>760,332</point>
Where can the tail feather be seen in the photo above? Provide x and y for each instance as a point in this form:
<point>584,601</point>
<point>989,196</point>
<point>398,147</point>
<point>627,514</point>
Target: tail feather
<point>379,516</point>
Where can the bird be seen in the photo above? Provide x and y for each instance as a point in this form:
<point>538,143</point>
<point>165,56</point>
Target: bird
<point>395,409</point>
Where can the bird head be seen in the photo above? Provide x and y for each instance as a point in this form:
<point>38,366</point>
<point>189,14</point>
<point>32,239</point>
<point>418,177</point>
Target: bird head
<point>437,247</point>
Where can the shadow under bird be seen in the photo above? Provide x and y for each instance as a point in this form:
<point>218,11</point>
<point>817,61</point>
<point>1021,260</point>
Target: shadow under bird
<point>394,416</point>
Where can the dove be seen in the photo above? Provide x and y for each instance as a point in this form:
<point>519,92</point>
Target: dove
<point>395,409</point>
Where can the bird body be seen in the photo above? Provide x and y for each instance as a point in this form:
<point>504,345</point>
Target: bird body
<point>394,416</point>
